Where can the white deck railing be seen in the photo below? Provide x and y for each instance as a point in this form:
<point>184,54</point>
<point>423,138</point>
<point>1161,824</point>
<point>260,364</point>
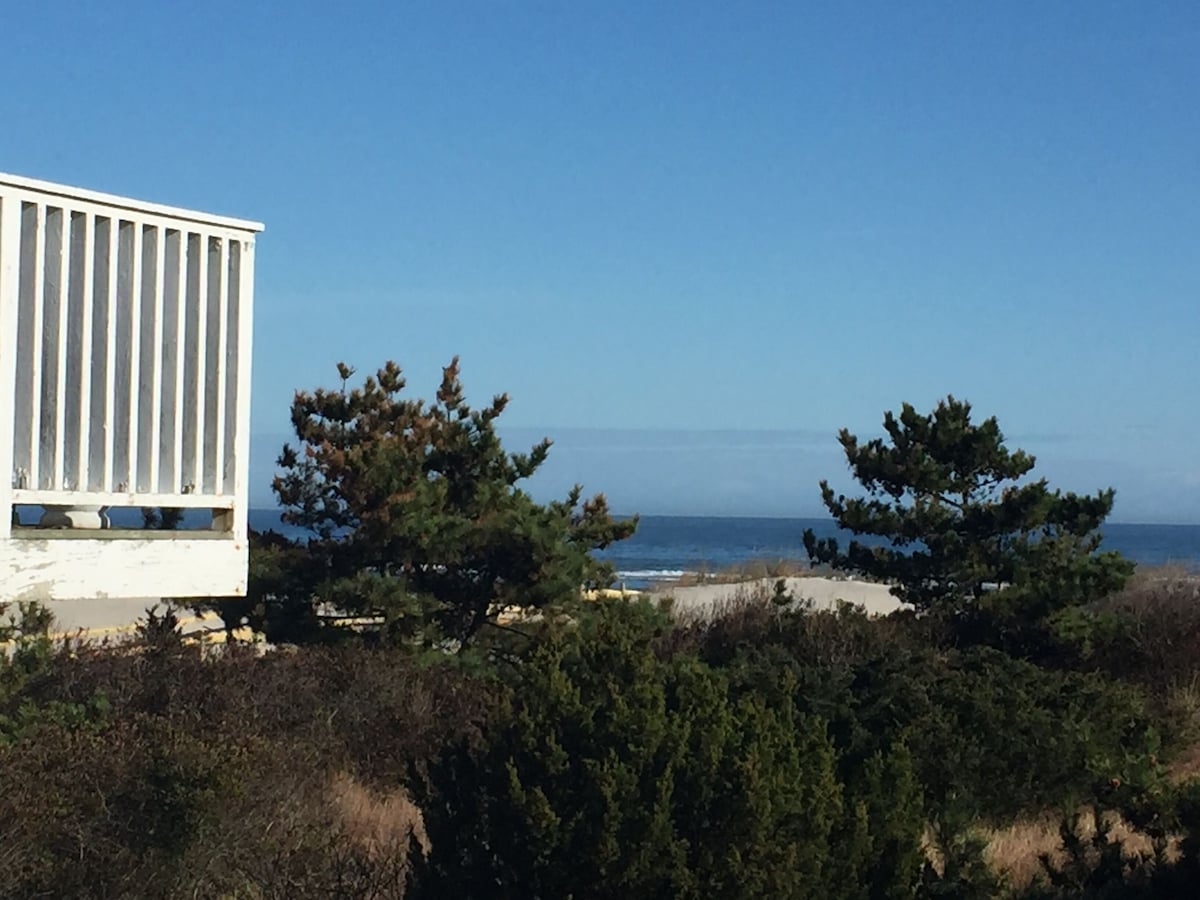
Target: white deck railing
<point>125,362</point>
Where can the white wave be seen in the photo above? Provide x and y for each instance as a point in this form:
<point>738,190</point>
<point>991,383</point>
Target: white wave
<point>652,574</point>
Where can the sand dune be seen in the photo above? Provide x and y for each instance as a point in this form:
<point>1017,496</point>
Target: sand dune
<point>823,592</point>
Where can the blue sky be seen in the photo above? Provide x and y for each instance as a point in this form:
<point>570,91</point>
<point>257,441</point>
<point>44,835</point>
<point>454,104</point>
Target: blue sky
<point>690,240</point>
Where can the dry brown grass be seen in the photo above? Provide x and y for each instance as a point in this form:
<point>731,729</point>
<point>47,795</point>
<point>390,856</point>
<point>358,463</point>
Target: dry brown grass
<point>1169,571</point>
<point>747,605</point>
<point>1171,588</point>
<point>1014,852</point>
<point>1186,765</point>
<point>1157,644</point>
<point>379,824</point>
<point>1150,588</point>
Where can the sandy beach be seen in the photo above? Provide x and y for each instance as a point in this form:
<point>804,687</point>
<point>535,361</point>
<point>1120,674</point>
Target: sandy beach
<point>824,593</point>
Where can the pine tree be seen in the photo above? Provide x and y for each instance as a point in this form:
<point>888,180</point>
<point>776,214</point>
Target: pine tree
<point>966,534</point>
<point>416,514</point>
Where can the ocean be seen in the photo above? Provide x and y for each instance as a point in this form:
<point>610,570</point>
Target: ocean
<point>667,547</point>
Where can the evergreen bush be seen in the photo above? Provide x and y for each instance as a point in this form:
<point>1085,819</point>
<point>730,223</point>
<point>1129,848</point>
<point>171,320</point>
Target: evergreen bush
<point>620,771</point>
<point>415,514</point>
<point>966,536</point>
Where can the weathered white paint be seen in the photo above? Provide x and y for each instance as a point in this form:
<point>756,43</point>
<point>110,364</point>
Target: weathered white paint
<point>48,565</point>
<point>125,333</point>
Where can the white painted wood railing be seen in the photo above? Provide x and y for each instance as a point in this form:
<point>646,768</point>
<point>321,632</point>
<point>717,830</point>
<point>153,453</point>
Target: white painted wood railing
<point>125,362</point>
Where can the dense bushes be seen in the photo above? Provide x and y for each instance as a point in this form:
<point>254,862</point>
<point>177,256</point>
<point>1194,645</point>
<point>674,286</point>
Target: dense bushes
<point>176,776</point>
<point>598,764</point>
<point>600,750</point>
<point>617,772</point>
<point>150,807</point>
<point>762,753</point>
<point>1149,633</point>
<point>991,736</point>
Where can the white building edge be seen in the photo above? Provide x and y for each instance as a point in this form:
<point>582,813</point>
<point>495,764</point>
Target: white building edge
<point>124,382</point>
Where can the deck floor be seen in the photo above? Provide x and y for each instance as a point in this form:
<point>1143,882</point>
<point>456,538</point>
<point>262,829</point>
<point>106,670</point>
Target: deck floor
<point>33,532</point>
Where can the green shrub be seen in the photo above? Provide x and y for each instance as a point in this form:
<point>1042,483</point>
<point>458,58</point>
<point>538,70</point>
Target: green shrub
<point>28,663</point>
<point>990,735</point>
<point>619,771</point>
<point>1006,737</point>
<point>1147,635</point>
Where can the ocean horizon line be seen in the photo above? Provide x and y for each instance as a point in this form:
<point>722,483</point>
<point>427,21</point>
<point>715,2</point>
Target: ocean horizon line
<point>802,518</point>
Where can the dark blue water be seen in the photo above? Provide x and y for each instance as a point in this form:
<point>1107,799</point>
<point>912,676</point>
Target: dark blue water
<point>666,547</point>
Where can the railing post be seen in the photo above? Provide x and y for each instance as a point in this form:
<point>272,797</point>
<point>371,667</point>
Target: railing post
<point>10,275</point>
<point>241,440</point>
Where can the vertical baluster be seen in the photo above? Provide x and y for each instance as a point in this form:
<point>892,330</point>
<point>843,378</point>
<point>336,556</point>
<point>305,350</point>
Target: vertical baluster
<point>199,348</point>
<point>35,374</point>
<point>10,286</point>
<point>59,474</point>
<point>110,349</point>
<point>237,519</point>
<point>50,278</point>
<point>218,486</point>
<point>98,373</point>
<point>135,355</point>
<point>24,349</point>
<point>85,344</point>
<point>174,263</point>
<point>76,355</point>
<point>160,269</point>
<point>181,335</point>
<point>232,325</point>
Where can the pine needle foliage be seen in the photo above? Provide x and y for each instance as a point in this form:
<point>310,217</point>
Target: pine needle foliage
<point>416,514</point>
<point>966,534</point>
